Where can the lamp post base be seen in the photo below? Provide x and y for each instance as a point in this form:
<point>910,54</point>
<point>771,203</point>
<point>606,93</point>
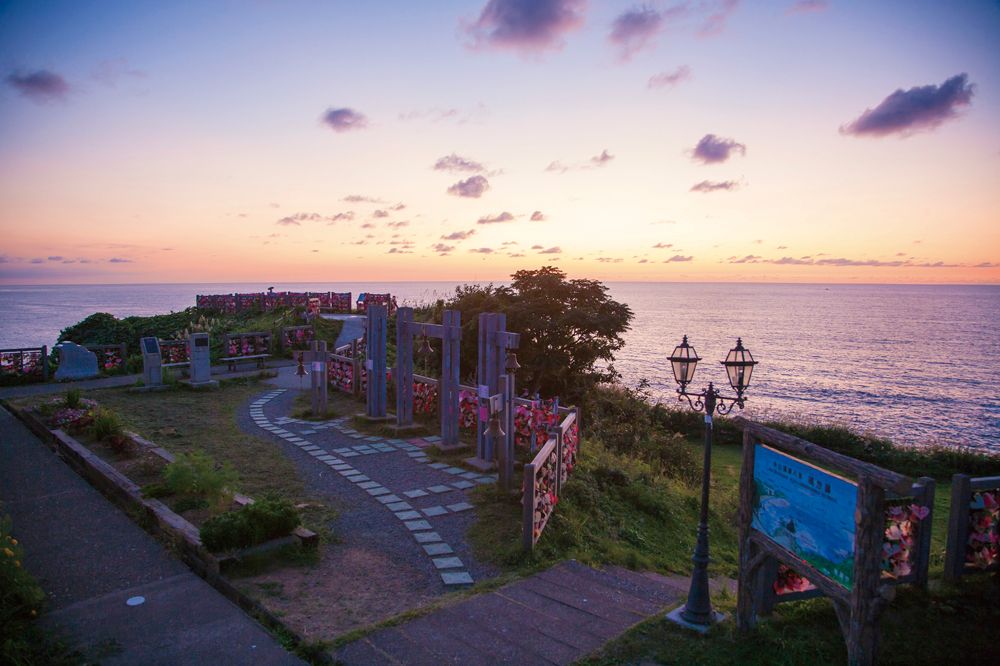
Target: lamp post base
<point>675,617</point>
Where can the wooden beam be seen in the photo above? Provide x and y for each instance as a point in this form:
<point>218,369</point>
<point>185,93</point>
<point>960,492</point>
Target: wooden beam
<point>790,444</point>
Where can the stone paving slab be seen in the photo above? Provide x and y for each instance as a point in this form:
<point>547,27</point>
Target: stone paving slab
<point>556,617</point>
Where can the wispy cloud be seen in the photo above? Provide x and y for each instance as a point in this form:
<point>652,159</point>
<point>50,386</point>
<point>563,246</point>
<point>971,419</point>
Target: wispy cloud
<point>670,79</point>
<point>471,188</point>
<point>442,249</point>
<point>663,246</point>
<point>379,214</point>
<point>677,258</point>
<point>538,216</point>
<point>595,162</point>
<point>398,225</point>
<point>360,198</point>
<point>458,235</point>
<point>297,219</point>
<point>844,262</point>
<point>713,149</point>
<point>720,11</point>
<point>905,112</point>
<point>602,159</point>
<point>344,119</point>
<point>529,26</point>
<point>451,114</point>
<point>482,250</point>
<point>111,72</point>
<point>551,250</point>
<point>119,260</point>
<point>715,186</point>
<point>457,164</point>
<point>807,6</point>
<point>40,86</point>
<point>634,30</point>
<point>496,219</point>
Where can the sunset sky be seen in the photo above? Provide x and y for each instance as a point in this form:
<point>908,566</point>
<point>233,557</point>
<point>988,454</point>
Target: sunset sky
<point>809,141</point>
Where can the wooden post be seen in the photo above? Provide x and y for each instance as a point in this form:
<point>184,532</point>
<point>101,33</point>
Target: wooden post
<point>926,498</point>
<point>747,583</point>
<point>355,369</point>
<point>958,526</point>
<point>404,367</point>
<point>484,365</point>
<point>376,363</point>
<point>528,508</point>
<point>448,392</point>
<point>862,631</point>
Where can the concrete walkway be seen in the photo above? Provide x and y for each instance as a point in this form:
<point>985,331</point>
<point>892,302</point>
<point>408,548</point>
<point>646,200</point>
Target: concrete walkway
<point>555,617</point>
<point>91,560</point>
<point>46,388</point>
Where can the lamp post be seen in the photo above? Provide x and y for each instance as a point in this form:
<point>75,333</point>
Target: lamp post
<point>697,612</point>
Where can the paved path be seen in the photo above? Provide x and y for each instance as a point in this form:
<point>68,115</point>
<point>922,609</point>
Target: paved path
<point>46,388</point>
<point>90,559</point>
<point>555,617</point>
<point>416,509</point>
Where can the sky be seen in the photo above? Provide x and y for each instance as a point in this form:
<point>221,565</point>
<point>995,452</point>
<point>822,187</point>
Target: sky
<point>710,140</point>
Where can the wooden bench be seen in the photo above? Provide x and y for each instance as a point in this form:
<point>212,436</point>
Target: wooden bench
<point>247,347</point>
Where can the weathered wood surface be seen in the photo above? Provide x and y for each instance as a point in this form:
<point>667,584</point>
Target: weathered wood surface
<point>790,444</point>
<point>377,394</point>
<point>555,617</point>
<point>962,488</point>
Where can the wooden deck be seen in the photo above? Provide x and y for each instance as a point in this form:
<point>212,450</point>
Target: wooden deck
<point>554,617</point>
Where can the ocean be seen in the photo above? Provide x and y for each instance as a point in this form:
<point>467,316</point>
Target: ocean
<point>914,363</point>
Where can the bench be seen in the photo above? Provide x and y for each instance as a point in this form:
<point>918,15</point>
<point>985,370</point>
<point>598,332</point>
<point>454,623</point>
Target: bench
<point>247,347</point>
<point>174,353</point>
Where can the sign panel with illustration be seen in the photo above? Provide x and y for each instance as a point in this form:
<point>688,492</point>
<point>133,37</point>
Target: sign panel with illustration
<point>806,510</point>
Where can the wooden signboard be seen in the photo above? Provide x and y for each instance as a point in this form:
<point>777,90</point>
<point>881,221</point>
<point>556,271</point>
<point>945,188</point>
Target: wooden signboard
<point>822,515</point>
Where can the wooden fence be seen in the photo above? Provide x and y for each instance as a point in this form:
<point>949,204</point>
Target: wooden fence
<point>110,358</point>
<point>545,476</point>
<point>174,353</point>
<point>24,364</point>
<point>232,303</point>
<point>297,337</point>
<point>973,526</point>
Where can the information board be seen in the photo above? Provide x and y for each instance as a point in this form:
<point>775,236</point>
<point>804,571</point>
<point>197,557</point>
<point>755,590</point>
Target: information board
<point>806,510</point>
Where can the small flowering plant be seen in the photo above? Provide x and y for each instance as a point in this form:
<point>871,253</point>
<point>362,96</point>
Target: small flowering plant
<point>982,548</point>
<point>72,419</point>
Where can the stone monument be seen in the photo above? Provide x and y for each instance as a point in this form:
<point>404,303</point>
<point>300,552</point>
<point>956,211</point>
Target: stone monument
<point>201,362</point>
<point>152,372</point>
<point>75,362</point>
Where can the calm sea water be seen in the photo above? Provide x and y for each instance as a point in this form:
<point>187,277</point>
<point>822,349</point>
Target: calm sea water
<point>918,364</point>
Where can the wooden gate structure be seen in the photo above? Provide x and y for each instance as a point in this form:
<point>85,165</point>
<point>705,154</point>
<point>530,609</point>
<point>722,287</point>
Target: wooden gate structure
<point>450,334</point>
<point>495,391</point>
<point>375,333</point>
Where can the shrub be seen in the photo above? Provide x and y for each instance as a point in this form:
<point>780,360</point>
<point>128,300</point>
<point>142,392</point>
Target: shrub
<point>197,475</point>
<point>107,426</point>
<point>268,518</point>
<point>73,398</point>
<point>21,639</point>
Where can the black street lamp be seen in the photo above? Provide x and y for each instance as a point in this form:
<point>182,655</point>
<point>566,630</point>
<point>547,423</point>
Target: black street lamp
<point>697,612</point>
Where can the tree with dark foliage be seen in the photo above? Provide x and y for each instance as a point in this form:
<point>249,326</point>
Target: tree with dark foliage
<point>569,329</point>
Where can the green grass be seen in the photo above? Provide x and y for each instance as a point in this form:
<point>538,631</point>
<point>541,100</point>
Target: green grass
<point>185,421</point>
<point>614,510</point>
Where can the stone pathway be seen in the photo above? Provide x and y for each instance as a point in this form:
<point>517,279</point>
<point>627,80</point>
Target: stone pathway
<point>401,467</point>
<point>555,617</point>
<point>112,590</point>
